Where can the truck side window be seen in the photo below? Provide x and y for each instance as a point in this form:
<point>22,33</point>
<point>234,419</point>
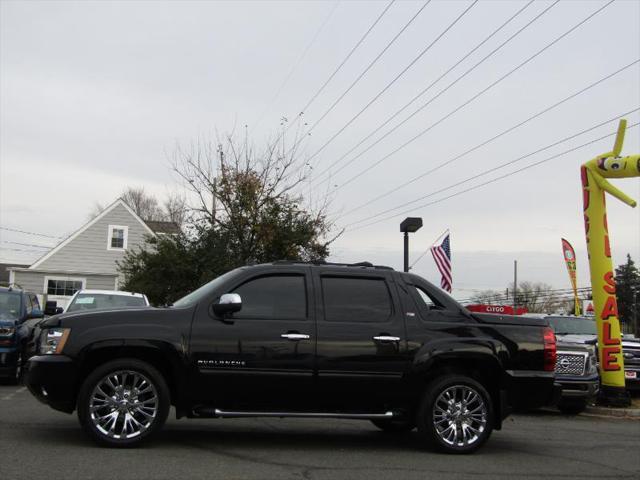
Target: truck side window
<point>27,304</point>
<point>276,297</point>
<point>424,300</point>
<point>356,299</point>
<point>35,302</point>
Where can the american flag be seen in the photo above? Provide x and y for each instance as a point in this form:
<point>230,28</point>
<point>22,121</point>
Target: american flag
<point>442,256</point>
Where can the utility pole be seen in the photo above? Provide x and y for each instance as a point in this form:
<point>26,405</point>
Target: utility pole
<point>515,287</point>
<point>215,187</point>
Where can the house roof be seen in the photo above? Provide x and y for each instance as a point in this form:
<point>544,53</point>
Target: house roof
<point>4,270</point>
<point>86,226</point>
<point>167,228</point>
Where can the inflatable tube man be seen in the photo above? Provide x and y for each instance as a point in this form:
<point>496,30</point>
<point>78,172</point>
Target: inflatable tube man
<point>594,185</point>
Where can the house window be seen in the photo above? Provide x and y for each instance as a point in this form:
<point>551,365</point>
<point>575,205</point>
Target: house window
<point>63,287</point>
<point>117,238</point>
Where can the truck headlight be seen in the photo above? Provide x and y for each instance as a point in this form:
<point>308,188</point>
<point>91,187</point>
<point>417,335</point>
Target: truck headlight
<point>52,341</point>
<point>592,364</point>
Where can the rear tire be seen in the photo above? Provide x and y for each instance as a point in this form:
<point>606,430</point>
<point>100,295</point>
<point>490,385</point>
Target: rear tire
<point>401,425</point>
<point>124,402</point>
<point>455,415</point>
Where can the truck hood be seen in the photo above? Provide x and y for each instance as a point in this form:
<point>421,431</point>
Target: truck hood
<point>94,317</point>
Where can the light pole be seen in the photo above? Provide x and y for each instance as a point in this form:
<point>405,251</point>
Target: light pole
<point>409,225</point>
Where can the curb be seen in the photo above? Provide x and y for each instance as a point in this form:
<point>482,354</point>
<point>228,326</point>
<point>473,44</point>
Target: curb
<point>613,412</point>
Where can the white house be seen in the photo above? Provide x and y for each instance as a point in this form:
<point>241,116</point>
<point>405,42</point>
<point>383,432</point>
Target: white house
<point>87,258</point>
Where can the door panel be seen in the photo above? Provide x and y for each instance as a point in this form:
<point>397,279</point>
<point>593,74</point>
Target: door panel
<point>361,349</point>
<point>264,354</point>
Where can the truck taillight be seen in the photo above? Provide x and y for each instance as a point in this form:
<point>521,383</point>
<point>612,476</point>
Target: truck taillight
<point>549,338</point>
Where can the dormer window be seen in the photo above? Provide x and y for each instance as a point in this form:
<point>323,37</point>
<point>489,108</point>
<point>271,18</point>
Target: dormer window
<point>117,238</point>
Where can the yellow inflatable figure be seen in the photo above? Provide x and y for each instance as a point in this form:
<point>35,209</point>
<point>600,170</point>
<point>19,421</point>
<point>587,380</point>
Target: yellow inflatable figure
<point>594,184</point>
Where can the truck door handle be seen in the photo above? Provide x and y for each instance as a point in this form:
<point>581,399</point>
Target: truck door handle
<point>386,338</point>
<point>295,336</point>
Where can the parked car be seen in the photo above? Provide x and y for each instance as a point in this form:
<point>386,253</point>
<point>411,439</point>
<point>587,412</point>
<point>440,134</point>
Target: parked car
<point>298,340</point>
<point>105,299</point>
<point>582,330</point>
<point>17,307</point>
<point>577,372</point>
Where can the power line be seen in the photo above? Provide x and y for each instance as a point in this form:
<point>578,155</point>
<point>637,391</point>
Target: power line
<point>29,233</point>
<point>27,244</point>
<point>546,295</point>
<point>499,296</point>
<point>425,90</point>
<point>492,180</point>
<point>339,67</point>
<point>486,142</point>
<point>297,63</point>
<point>395,79</point>
<point>477,95</point>
<point>362,74</point>
<point>21,250</point>
<point>493,169</point>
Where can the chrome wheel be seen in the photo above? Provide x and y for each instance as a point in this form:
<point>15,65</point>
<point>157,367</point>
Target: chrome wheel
<point>460,416</point>
<point>123,404</point>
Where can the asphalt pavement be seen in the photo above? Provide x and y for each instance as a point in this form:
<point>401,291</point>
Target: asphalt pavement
<point>37,442</point>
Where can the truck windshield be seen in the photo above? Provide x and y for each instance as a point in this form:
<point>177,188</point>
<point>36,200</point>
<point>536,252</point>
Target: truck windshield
<point>96,301</point>
<point>9,306</point>
<point>204,291</point>
<point>573,325</point>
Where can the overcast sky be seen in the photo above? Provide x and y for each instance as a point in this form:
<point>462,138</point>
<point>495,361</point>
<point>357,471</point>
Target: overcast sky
<point>95,95</point>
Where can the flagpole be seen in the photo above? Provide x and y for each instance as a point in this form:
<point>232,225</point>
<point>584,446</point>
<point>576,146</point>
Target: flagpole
<point>427,250</point>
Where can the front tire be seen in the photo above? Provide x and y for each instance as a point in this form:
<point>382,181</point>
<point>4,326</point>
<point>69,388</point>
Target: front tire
<point>456,414</point>
<point>123,403</point>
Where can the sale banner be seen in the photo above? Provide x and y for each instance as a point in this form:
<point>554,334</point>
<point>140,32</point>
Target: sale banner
<point>570,260</point>
<point>595,175</point>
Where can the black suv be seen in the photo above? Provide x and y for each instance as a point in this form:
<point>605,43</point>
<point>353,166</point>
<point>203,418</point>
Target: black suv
<point>17,307</point>
<point>298,340</point>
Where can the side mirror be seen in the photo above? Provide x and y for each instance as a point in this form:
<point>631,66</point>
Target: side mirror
<point>59,310</point>
<point>228,304</point>
<point>36,313</point>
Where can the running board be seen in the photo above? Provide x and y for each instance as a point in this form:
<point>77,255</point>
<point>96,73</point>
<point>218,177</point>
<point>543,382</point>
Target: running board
<point>216,412</point>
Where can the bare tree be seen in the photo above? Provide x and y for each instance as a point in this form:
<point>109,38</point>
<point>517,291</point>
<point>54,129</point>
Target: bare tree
<point>175,209</point>
<point>490,297</point>
<point>95,210</point>
<point>145,205</point>
<point>204,166</point>
<point>538,297</point>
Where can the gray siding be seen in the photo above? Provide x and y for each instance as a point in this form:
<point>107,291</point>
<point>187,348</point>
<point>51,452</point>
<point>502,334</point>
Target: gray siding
<point>34,282</point>
<point>88,252</point>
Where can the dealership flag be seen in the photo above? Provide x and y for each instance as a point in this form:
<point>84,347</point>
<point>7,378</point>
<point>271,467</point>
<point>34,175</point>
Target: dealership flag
<point>442,256</point>
<point>570,259</point>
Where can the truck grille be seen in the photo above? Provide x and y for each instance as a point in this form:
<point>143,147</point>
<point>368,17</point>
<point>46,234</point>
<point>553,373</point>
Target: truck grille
<point>631,355</point>
<point>570,363</point>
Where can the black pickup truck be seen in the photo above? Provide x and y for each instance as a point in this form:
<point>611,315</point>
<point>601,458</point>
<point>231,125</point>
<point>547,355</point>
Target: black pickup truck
<point>298,340</point>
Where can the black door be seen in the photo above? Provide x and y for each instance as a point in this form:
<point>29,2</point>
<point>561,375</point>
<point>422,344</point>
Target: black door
<point>361,350</point>
<point>263,355</point>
